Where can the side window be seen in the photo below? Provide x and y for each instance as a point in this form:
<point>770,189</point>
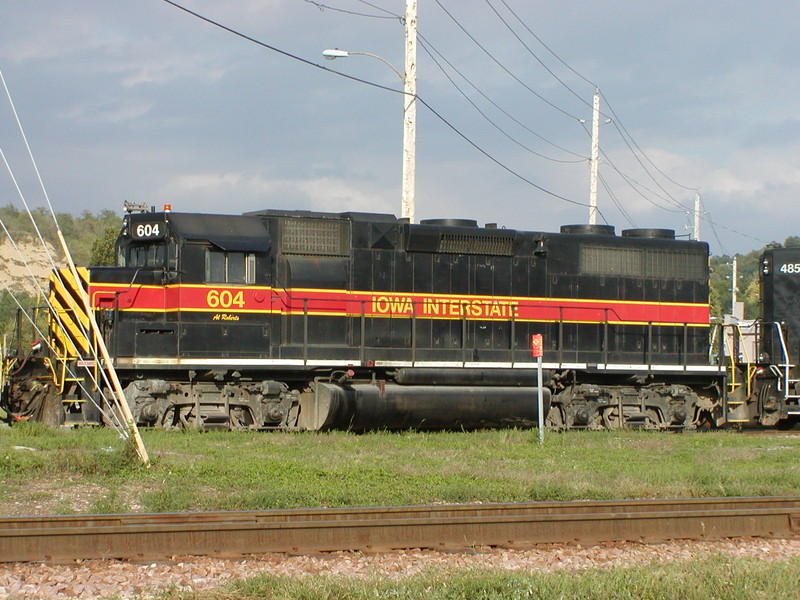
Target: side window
<point>236,267</point>
<point>230,267</point>
<point>215,266</point>
<point>172,255</point>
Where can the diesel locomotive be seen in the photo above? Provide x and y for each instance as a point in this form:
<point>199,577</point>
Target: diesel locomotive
<point>298,320</point>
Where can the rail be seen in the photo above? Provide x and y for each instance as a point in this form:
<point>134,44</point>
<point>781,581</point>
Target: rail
<point>458,527</point>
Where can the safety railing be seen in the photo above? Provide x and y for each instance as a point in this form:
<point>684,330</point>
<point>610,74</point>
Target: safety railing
<point>414,310</point>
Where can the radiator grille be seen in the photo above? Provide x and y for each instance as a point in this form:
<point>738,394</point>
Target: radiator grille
<point>636,262</point>
<point>315,237</point>
<point>475,244</point>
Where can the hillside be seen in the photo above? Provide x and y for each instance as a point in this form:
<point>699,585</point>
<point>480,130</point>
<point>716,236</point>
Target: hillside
<point>85,236</point>
<point>16,274</point>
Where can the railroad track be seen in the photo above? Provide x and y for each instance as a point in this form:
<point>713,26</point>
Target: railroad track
<point>458,527</point>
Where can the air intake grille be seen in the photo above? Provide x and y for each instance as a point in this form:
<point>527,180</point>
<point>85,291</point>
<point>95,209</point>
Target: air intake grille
<point>475,244</point>
<point>315,237</point>
<point>649,264</point>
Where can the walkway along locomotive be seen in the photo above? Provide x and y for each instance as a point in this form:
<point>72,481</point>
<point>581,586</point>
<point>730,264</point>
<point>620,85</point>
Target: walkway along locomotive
<point>305,320</point>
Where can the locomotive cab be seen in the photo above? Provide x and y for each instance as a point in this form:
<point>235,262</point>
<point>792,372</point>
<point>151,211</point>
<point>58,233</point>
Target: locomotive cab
<point>771,380</point>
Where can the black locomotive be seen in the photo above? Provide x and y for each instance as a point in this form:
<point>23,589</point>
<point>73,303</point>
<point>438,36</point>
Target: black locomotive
<point>304,320</point>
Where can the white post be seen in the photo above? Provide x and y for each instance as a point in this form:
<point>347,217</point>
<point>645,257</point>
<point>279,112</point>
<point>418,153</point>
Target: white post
<point>697,216</point>
<point>537,351</point>
<point>595,155</point>
<point>410,111</point>
<point>540,403</point>
<point>733,286</point>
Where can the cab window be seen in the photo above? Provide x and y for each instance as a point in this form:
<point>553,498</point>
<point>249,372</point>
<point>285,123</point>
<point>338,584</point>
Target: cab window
<point>147,256</point>
<point>230,267</point>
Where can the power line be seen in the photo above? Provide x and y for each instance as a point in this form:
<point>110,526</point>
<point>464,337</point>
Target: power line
<point>614,116</point>
<point>624,134</point>
<point>564,84</point>
<point>533,54</point>
<point>616,201</point>
<point>619,126</point>
<point>538,39</point>
<point>359,80</point>
<point>430,50</point>
<point>381,9</point>
<point>616,119</point>
<point>496,161</point>
<point>502,66</point>
<point>633,183</point>
<point>324,7</point>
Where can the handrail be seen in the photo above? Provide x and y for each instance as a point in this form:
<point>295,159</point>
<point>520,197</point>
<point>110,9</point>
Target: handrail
<point>299,304</point>
<point>747,362</point>
<point>728,344</point>
<point>785,364</point>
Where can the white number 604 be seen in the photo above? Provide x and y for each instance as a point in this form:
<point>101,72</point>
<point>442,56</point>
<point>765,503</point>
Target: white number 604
<point>147,230</point>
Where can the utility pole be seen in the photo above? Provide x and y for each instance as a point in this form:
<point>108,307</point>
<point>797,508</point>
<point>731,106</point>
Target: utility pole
<point>697,216</point>
<point>595,156</point>
<point>734,283</point>
<point>410,111</point>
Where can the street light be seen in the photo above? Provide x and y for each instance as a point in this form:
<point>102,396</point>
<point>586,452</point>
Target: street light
<point>409,106</point>
<point>332,54</point>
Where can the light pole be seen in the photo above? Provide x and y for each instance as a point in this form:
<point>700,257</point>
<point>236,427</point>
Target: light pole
<point>409,79</point>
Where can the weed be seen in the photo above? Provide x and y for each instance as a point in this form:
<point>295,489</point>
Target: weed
<point>257,470</point>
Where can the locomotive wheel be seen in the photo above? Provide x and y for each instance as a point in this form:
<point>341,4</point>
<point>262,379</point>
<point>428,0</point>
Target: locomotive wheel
<point>768,403</point>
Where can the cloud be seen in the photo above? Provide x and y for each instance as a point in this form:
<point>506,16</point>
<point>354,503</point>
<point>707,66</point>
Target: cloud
<point>112,111</point>
<point>221,192</point>
<point>167,108</point>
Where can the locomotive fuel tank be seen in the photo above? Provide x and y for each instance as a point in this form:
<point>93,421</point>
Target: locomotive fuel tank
<point>381,405</point>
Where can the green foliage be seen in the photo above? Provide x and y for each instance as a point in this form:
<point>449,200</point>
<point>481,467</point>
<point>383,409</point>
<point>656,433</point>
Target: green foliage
<point>747,281</point>
<point>717,577</point>
<point>88,229</point>
<point>103,248</point>
<point>32,451</point>
<point>255,471</point>
<point>80,232</point>
<point>8,315</point>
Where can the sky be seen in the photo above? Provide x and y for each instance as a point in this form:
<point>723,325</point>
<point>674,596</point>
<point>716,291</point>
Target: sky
<point>137,100</point>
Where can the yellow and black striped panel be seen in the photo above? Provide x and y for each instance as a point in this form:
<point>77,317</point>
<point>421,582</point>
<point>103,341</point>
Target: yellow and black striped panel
<point>69,323</point>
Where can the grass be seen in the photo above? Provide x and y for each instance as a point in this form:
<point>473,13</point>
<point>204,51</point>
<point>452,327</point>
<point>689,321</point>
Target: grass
<point>92,470</point>
<point>714,578</point>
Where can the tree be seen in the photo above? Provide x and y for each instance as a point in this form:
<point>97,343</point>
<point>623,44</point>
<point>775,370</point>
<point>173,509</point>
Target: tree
<point>103,248</point>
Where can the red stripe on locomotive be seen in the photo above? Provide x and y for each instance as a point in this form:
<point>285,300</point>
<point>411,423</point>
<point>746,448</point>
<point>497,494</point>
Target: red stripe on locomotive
<point>376,304</point>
